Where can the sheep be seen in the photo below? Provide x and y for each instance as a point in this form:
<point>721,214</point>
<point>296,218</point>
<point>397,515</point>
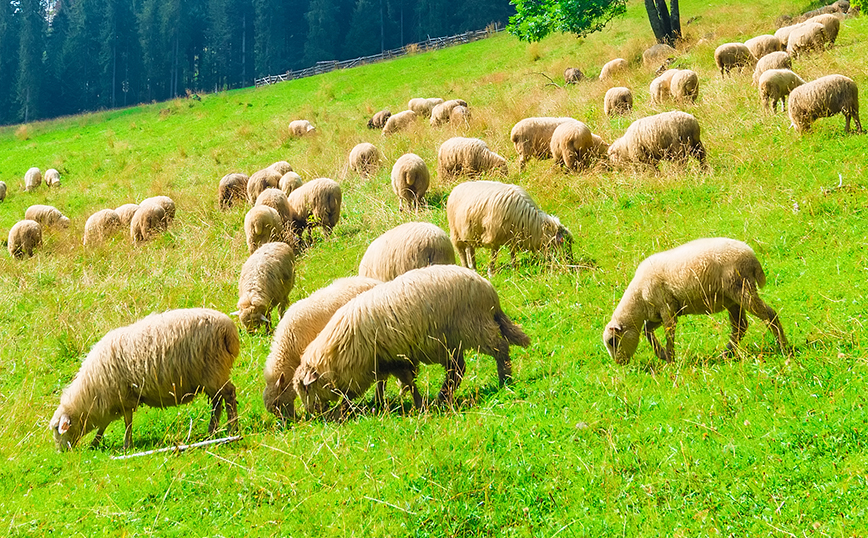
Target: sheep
<point>806,37</point>
<point>51,178</point>
<point>761,45</point>
<point>704,276</point>
<point>298,326</point>
<point>160,361</point>
<point>467,156</point>
<point>126,212</point>
<point>100,226</point>
<point>571,145</point>
<point>491,214</point>
<point>231,190</point>
<point>32,179</point>
<point>168,206</point>
<point>24,236</point>
<point>831,25</point>
<point>441,113</point>
<point>266,279</point>
<point>2,191</point>
<point>823,98</point>
<point>409,246</point>
<point>423,107</point>
<point>783,34</point>
<point>46,215</point>
<point>365,159</point>
<point>733,55</point>
<point>399,122</point>
<point>670,136</point>
<point>410,179</point>
<point>460,115</point>
<point>316,203</point>
<point>289,182</point>
<point>599,148</point>
<point>773,60</point>
<point>658,55</point>
<point>378,121</point>
<point>618,100</point>
<point>262,224</point>
<point>430,315</point>
<point>266,178</point>
<point>775,85</point>
<point>573,75</point>
<point>684,86</point>
<point>301,128</point>
<point>532,137</point>
<point>613,68</point>
<point>659,89</point>
<point>148,220</point>
<point>277,200</point>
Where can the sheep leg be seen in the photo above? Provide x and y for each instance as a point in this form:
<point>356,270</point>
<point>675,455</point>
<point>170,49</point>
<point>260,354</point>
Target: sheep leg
<point>454,375</point>
<point>128,429</point>
<point>649,329</point>
<point>504,365</point>
<point>669,322</point>
<point>738,322</point>
<point>407,378</point>
<point>471,257</point>
<point>97,438</point>
<point>462,254</point>
<point>760,309</point>
<point>494,250</point>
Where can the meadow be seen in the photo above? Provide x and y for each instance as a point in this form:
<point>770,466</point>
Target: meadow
<point>757,444</point>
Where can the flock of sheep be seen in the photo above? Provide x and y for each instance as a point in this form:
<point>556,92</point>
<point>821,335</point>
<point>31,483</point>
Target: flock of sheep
<point>410,303</point>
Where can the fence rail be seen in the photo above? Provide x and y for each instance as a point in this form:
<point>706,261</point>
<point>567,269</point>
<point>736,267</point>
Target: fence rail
<point>432,43</point>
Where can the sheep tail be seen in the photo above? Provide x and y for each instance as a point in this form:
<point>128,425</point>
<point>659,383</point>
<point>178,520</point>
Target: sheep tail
<point>512,332</point>
<point>759,275</point>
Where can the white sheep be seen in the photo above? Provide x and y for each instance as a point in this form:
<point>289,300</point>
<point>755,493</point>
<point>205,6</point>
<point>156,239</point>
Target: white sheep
<point>410,179</point>
<point>775,85</point>
<point>298,327</point>
<point>231,190</point>
<point>684,86</point>
<point>733,55</point>
<point>51,178</point>
<point>429,316</point>
<point>277,200</point>
<point>613,68</point>
<point>773,60</point>
<point>399,122</point>
<point>2,191</point>
<point>831,25</point>
<point>301,128</point>
<point>783,34</point>
<point>266,279</point>
<point>467,156</point>
<point>46,215</point>
<point>148,220</point>
<point>491,214</point>
<point>289,182</point>
<point>618,101</point>
<point>316,203</point>
<point>442,112</point>
<point>408,246</point>
<point>667,136</point>
<point>459,116</point>
<point>704,276</point>
<point>378,121</point>
<point>100,226</point>
<point>126,212</point>
<point>166,203</point>
<point>659,89</point>
<point>571,145</point>
<point>262,224</point>
<point>162,360</point>
<point>32,179</point>
<point>422,106</point>
<point>806,37</point>
<point>532,137</point>
<point>761,45</point>
<point>24,237</point>
<point>365,159</point>
<point>823,98</point>
<point>264,179</point>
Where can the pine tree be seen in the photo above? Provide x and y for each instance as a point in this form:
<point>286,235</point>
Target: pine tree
<point>366,30</point>
<point>30,47</point>
<point>9,46</point>
<point>323,28</point>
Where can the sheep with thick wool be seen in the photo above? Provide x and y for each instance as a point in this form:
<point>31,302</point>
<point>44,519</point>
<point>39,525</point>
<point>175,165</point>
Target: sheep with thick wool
<point>704,276</point>
<point>289,182</point>
<point>410,180</point>
<point>441,113</point>
<point>806,37</point>
<point>613,68</point>
<point>298,327</point>
<point>730,56</point>
<point>773,60</point>
<point>460,116</point>
<point>166,203</point>
<point>405,247</point>
<point>266,279</point>
<point>428,316</point>
<point>161,361</point>
<point>423,106</point>
<point>775,85</point>
<point>824,98</point>
<point>100,226</point>
<point>126,212</point>
<point>232,190</point>
<point>24,237</point>
<point>618,101</point>
<point>490,214</point>
<point>301,128</point>
<point>51,178</point>
<point>316,203</point>
<point>399,122</point>
<point>831,25</point>
<point>277,200</point>
<point>2,191</point>
<point>460,156</point>
<point>266,178</point>
<point>378,120</point>
<point>659,89</point>
<point>46,215</point>
<point>571,145</point>
<point>762,45</point>
<point>32,179</point>
<point>262,224</point>
<point>532,137</point>
<point>684,86</point>
<point>148,220</point>
<point>667,136</point>
<point>365,159</point>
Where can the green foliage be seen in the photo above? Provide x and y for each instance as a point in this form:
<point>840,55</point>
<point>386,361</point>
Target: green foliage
<point>535,19</point>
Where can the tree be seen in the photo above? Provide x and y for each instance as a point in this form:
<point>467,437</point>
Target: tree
<point>30,46</point>
<point>9,45</point>
<point>535,19</point>
<point>665,24</point>
<point>366,31</point>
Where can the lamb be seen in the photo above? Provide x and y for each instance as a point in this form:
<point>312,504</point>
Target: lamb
<point>823,98</point>
<point>430,315</point>
<point>32,179</point>
<point>613,68</point>
<point>571,145</point>
<point>378,121</point>
<point>491,214</point>
<point>46,215</point>
<point>467,156</point>
<point>572,75</point>
<point>775,85</point>
<point>618,101</point>
<point>773,60</point>
<point>2,191</point>
<point>289,182</point>
<point>126,212</point>
<point>231,190</point>
<point>51,178</point>
<point>660,86</point>
<point>733,55</point>
<point>266,279</point>
<point>441,113</point>
<point>761,45</point>
<point>658,55</point>
<point>298,326</point>
<point>409,246</point>
<point>316,203</point>
<point>704,276</point>
<point>532,137</point>
<point>168,206</point>
<point>24,237</point>
<point>684,86</point>
<point>262,224</point>
<point>399,122</point>
<point>365,159</point>
<point>423,107</point>
<point>100,226</point>
<point>148,220</point>
<point>410,179</point>
<point>301,128</point>
<point>160,361</point>
<point>670,136</point>
<point>806,37</point>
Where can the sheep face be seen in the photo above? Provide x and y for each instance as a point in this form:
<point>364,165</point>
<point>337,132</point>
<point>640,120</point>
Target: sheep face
<point>620,342</point>
<point>279,398</point>
<point>252,316</point>
<point>560,238</point>
<point>66,431</point>
<point>313,389</point>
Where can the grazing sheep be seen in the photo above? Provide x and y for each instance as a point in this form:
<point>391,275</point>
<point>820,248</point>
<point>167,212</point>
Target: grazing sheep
<point>24,236</point>
<point>232,189</point>
<point>264,179</point>
<point>491,214</point>
<point>262,224</point>
<point>399,122</point>
<point>148,220</point>
<point>277,200</point>
<point>684,86</point>
<point>460,115</point>
<point>667,136</point>
<point>301,128</point>
<point>806,37</point>
<point>168,206</point>
<point>704,276</point>
<point>573,75</point>
<point>316,203</point>
<point>51,178</point>
<point>100,226</point>
<point>126,212</point>
<point>423,107</point>
<point>266,279</point>
<point>365,159</point>
<point>761,45</point>
<point>823,98</point>
<point>783,34</point>
<point>409,246</point>
<point>658,55</point>
<point>775,85</point>
<point>831,25</point>
<point>2,191</point>
<point>660,86</point>
<point>280,167</point>
<point>410,179</point>
<point>46,215</point>
<point>571,145</point>
<point>773,60</point>
<point>160,361</point>
<point>733,55</point>
<point>613,68</point>
<point>289,182</point>
<point>532,137</point>
<point>379,119</point>
<point>430,316</point>
<point>32,179</point>
<point>298,326</point>
<point>441,113</point>
<point>599,148</point>
<point>467,156</point>
<point>618,101</point>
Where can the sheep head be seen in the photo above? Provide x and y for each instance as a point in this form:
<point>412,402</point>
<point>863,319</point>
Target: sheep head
<point>618,152</point>
<point>66,430</point>
<point>313,388</point>
<point>620,341</point>
<point>556,236</point>
<point>279,398</point>
<point>252,315</point>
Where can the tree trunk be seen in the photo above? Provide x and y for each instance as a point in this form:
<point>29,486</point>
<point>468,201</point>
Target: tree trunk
<point>676,19</point>
<point>661,23</point>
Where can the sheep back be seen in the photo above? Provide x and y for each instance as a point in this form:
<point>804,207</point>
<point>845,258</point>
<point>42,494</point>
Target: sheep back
<point>167,204</point>
<point>613,68</point>
<point>260,180</point>
<point>24,237</point>
<point>761,45</point>
<point>573,75</point>
<point>409,246</point>
<point>571,145</point>
<point>399,122</point>
<point>2,191</point>
<point>831,25</point>
<point>148,220</point>
<point>126,212</point>
<point>32,179</point>
<point>100,226</point>
<point>467,156</point>
<point>410,179</point>
<point>733,55</point>
<point>266,279</point>
<point>441,113</point>
<point>289,182</point>
<point>277,200</point>
<point>51,178</point>
<point>262,224</point>
<point>378,121</point>
<point>773,60</point>
<point>364,159</point>
<point>670,135</point>
<point>301,128</point>
<point>806,37</point>
<point>46,215</point>
<point>775,85</point>
<point>618,100</point>
<point>823,98</point>
<point>231,190</point>
<point>532,137</point>
<point>318,199</point>
<point>684,85</point>
<point>423,106</point>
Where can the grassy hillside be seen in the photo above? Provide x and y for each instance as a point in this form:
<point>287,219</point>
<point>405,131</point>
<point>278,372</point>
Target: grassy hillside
<point>760,444</point>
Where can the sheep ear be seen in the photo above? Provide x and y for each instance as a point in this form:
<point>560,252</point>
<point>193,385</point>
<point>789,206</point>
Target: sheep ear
<point>616,328</point>
<point>263,318</point>
<point>280,380</point>
<point>64,424</point>
<point>310,378</point>
<point>236,313</point>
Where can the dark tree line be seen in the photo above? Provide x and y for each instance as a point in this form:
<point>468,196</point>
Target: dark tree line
<point>61,57</point>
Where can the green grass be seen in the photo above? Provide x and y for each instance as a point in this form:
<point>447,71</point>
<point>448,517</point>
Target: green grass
<point>762,444</point>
